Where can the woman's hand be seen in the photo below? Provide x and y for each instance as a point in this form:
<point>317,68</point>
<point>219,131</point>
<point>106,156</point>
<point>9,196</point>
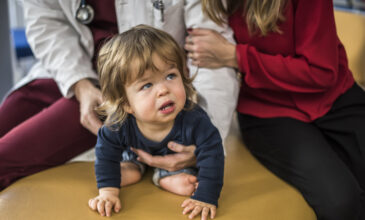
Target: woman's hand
<point>207,48</point>
<point>195,207</point>
<point>107,199</point>
<point>89,97</point>
<point>184,157</point>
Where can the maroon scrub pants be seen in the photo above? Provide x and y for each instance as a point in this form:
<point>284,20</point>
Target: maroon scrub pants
<point>39,129</point>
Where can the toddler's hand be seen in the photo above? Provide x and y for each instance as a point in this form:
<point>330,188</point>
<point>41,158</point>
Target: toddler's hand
<point>196,207</point>
<point>105,201</point>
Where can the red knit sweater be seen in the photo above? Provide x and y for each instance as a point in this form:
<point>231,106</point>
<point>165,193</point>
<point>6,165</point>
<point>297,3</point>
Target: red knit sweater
<point>297,74</point>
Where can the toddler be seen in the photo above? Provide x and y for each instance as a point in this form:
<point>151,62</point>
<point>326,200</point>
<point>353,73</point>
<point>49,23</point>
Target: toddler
<point>148,103</point>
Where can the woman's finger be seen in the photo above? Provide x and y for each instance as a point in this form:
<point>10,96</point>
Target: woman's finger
<point>191,55</point>
<point>189,39</point>
<point>143,156</point>
<point>200,31</point>
<point>179,148</point>
<point>189,47</point>
<point>196,63</point>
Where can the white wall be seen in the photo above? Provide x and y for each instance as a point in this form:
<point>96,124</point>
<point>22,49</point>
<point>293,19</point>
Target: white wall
<point>16,13</point>
<point>16,20</point>
<point>6,51</point>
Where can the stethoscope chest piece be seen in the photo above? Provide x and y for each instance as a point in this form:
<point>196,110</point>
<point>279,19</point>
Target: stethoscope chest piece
<point>85,13</point>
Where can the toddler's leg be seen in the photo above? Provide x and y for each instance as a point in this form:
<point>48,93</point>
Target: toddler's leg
<point>130,173</point>
<point>131,169</point>
<point>182,184</point>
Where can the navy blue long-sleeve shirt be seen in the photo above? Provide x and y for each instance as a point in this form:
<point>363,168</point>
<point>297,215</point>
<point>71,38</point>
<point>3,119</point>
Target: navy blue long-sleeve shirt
<point>190,127</point>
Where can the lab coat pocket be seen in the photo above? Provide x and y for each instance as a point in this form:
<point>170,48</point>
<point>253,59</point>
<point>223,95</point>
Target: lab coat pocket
<point>172,19</point>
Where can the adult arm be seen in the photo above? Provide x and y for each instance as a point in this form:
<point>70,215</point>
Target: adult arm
<point>52,35</point>
<point>55,39</point>
<point>184,157</point>
<point>313,68</point>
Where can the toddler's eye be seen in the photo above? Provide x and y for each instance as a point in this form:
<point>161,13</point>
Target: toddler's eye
<point>146,86</point>
<point>171,76</point>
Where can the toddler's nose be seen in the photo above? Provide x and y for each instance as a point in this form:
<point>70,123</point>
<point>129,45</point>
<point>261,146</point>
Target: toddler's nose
<point>162,90</point>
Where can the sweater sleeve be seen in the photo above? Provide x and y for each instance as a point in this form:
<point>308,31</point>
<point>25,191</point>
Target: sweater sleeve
<point>210,161</point>
<point>313,68</point>
<point>108,152</point>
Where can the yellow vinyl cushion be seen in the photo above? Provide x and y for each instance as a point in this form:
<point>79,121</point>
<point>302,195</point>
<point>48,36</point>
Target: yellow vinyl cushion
<point>351,31</point>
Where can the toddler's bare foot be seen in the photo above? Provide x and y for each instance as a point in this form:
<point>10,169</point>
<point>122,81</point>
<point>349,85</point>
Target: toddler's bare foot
<point>181,184</point>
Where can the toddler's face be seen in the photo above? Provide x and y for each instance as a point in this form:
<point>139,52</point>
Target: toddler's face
<point>158,96</point>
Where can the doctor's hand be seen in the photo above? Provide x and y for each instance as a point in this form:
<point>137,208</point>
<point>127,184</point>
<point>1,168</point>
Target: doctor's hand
<point>208,48</point>
<point>184,157</point>
<point>89,97</point>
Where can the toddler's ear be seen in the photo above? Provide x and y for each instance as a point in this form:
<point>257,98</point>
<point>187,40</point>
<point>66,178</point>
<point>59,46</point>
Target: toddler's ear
<point>127,108</point>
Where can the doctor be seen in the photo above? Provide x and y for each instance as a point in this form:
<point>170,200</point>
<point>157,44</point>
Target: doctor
<point>48,117</point>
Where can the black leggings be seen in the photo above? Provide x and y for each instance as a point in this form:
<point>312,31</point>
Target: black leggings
<point>324,160</point>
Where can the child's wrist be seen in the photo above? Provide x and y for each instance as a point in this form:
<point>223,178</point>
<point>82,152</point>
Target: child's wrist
<point>109,190</point>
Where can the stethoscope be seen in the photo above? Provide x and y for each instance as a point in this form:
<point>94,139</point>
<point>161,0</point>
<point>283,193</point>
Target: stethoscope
<point>85,13</point>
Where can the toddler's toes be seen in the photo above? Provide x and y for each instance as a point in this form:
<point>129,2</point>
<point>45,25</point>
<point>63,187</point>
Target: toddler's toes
<point>192,179</point>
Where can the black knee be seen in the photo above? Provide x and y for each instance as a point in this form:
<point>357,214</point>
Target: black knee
<point>337,203</point>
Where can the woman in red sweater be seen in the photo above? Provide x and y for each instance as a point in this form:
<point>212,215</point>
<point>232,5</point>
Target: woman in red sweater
<point>299,110</point>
